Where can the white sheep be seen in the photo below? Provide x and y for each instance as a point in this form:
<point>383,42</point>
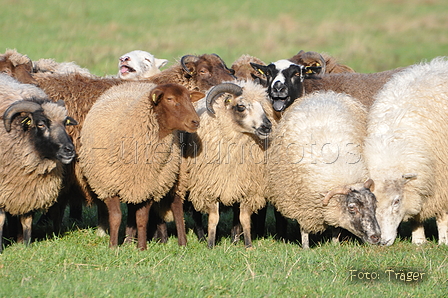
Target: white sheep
<point>34,147</point>
<point>129,153</point>
<point>316,149</point>
<point>406,150</point>
<point>225,158</point>
<point>139,65</point>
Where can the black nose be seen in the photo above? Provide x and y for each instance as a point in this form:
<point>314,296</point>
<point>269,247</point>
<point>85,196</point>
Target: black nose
<point>278,87</point>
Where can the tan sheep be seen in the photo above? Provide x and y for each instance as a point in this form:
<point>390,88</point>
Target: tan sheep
<point>225,158</point>
<point>129,153</point>
<point>317,149</point>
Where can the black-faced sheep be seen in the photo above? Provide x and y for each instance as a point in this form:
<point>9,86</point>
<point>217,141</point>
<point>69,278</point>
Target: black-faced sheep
<point>287,81</point>
<point>129,152</point>
<point>139,65</point>
<point>34,147</point>
<point>225,158</point>
<point>316,149</point>
<point>406,150</point>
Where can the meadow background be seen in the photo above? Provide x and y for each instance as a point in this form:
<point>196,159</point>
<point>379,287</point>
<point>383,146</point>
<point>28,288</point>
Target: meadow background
<point>368,36</point>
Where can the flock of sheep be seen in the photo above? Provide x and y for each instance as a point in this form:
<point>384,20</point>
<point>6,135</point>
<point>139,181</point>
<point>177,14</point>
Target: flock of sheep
<point>326,146</point>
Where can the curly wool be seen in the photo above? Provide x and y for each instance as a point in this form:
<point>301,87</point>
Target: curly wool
<point>315,148</point>
<point>121,153</point>
<point>224,164</point>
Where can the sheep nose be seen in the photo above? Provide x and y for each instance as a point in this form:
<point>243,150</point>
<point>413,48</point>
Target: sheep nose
<point>122,59</point>
<point>279,86</point>
<point>195,123</point>
<point>374,238</point>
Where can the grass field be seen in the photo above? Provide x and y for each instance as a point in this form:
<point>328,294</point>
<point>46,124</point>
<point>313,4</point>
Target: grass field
<point>368,36</point>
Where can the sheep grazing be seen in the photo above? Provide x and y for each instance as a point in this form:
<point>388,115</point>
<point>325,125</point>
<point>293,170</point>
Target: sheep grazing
<point>17,66</point>
<point>328,63</point>
<point>34,148</point>
<point>287,81</point>
<point>316,171</point>
<point>406,150</point>
<point>196,73</point>
<point>224,159</point>
<point>136,162</point>
<point>139,65</point>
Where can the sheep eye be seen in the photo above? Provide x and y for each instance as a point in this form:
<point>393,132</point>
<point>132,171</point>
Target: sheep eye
<point>396,202</point>
<point>41,125</point>
<point>298,74</point>
<point>240,108</point>
<point>352,208</point>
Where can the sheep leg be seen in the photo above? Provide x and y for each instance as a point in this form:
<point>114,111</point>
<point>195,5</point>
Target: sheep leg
<point>2,224</point>
<point>213,219</point>
<point>237,229</point>
<point>177,207</point>
<point>198,226</point>
<point>26,220</point>
<point>103,216</point>
<point>442,227</point>
<point>335,233</point>
<point>141,219</point>
<point>418,232</point>
<point>245,216</point>
<point>131,225</point>
<point>113,208</point>
<point>305,238</point>
<point>280,225</point>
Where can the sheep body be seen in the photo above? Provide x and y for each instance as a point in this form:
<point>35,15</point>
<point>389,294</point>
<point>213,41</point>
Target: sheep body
<point>316,147</point>
<point>224,162</point>
<point>406,149</point>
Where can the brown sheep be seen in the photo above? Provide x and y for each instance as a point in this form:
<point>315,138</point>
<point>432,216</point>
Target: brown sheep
<point>144,174</point>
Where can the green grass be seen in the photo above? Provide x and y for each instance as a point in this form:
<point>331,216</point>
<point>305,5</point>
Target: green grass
<point>368,36</point>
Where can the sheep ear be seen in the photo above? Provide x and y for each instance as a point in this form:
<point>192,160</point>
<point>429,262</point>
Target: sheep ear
<point>156,96</point>
<point>160,62</point>
<point>312,70</point>
<point>196,95</point>
<point>262,69</point>
<point>70,121</point>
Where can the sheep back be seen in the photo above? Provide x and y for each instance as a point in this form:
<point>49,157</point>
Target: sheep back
<point>315,148</point>
<point>121,153</point>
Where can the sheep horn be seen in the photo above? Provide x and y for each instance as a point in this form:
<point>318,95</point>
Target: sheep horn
<point>216,91</point>
<point>185,59</point>
<point>337,191</point>
<point>369,184</point>
<point>232,72</point>
<point>19,107</point>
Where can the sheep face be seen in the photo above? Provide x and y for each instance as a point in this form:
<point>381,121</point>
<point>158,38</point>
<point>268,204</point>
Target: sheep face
<point>249,116</point>
<point>285,81</point>
<point>21,72</point>
<point>174,109</point>
<point>139,65</point>
<point>45,124</point>
<point>391,207</point>
<point>359,211</point>
<point>208,70</point>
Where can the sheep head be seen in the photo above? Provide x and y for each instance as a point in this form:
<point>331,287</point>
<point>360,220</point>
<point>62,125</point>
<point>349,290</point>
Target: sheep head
<point>19,71</point>
<point>139,65</point>
<point>174,109</point>
<point>285,81</point>
<point>357,210</point>
<point>206,70</point>
<point>247,114</point>
<point>43,122</point>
